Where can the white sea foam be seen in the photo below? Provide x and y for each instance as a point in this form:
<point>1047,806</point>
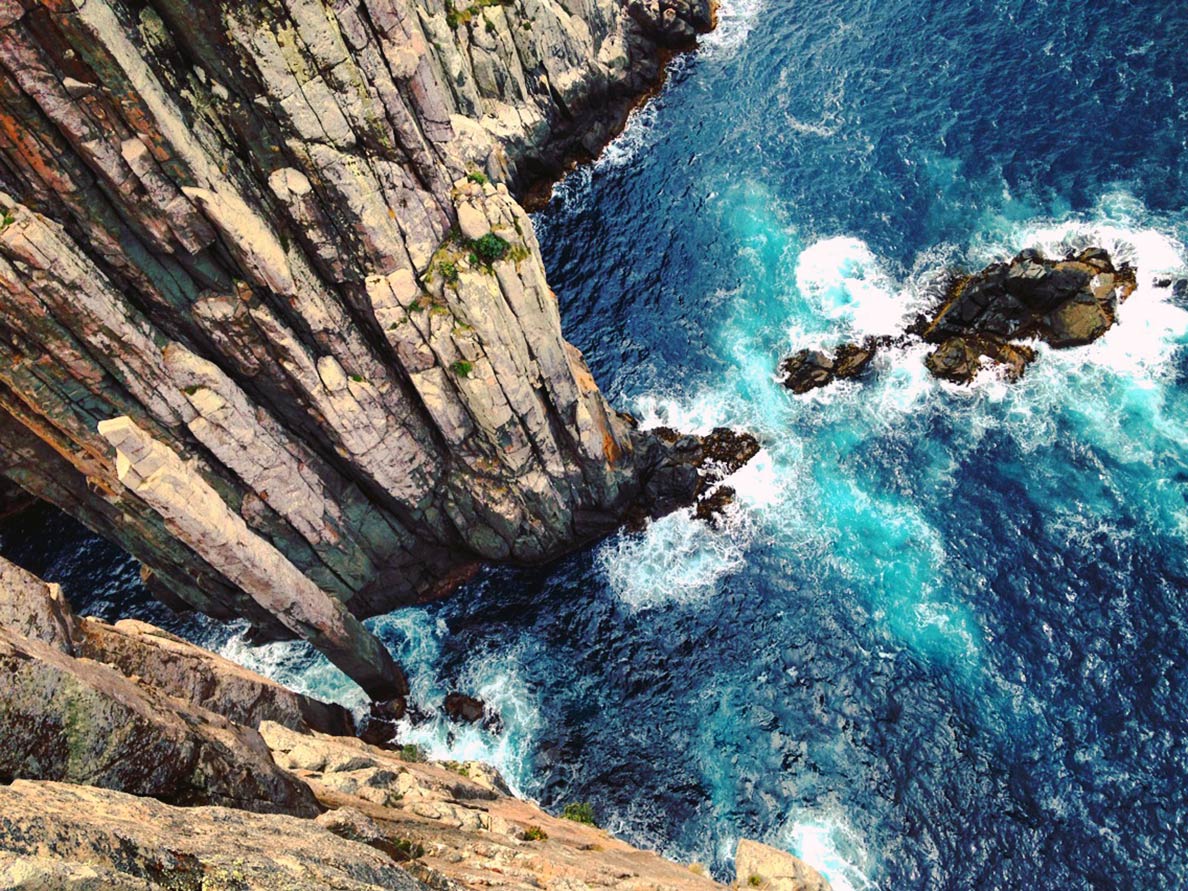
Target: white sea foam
<point>843,282</point>
<point>298,666</point>
<point>676,559</point>
<point>499,682</point>
<point>824,839</point>
<point>736,19</point>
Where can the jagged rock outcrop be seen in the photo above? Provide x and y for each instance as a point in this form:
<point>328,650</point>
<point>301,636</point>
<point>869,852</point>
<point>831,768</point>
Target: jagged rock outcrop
<point>983,318</point>
<point>182,670</point>
<point>809,369</point>
<point>1065,303</point>
<point>278,238</point>
<point>132,708</point>
<point>77,721</point>
<point>31,608</point>
<point>345,815</point>
<point>57,836</point>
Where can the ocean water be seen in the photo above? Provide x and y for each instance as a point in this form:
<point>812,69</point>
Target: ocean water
<point>942,640</point>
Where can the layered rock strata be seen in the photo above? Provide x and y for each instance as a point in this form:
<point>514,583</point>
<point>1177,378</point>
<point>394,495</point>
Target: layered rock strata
<point>277,239</point>
<point>986,318</point>
<point>126,709</point>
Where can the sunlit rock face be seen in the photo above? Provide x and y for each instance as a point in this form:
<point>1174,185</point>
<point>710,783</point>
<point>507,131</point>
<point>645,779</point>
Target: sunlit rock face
<point>278,239</point>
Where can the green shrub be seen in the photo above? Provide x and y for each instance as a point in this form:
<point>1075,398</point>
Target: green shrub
<point>488,250</point>
<point>462,368</point>
<point>754,881</point>
<point>456,17</point>
<point>579,812</point>
<point>477,176</point>
<point>357,378</point>
<point>448,270</point>
<point>535,833</point>
<point>412,752</point>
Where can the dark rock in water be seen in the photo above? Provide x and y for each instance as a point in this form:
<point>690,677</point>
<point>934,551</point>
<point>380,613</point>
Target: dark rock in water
<point>390,709</point>
<point>1065,303</point>
<point>724,451</point>
<point>467,710</point>
<point>958,359</point>
<point>1179,289</point>
<point>463,708</point>
<point>954,360</point>
<point>1061,302</point>
<point>689,467</point>
<point>809,369</point>
<point>378,732</point>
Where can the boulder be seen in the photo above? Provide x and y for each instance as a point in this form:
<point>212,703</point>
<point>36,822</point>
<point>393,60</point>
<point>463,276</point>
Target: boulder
<point>810,369</point>
<point>77,721</point>
<point>35,609</point>
<point>761,866</point>
<point>188,672</point>
<point>465,709</point>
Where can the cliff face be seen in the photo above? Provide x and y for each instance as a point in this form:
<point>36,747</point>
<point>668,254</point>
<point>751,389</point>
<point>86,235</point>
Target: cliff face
<point>130,759</point>
<point>267,321</point>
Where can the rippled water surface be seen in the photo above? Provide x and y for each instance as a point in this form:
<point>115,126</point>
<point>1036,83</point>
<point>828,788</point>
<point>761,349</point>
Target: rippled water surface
<point>941,642</point>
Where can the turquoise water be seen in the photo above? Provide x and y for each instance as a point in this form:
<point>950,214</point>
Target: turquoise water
<point>941,642</point>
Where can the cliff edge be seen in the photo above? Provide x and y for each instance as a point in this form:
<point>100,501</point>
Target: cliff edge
<point>130,759</point>
<point>273,318</point>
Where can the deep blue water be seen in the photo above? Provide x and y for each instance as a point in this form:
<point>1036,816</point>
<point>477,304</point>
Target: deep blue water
<point>943,641</point>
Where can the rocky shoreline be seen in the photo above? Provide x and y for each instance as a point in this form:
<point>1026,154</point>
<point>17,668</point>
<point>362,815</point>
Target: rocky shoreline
<point>130,759</point>
<point>986,318</point>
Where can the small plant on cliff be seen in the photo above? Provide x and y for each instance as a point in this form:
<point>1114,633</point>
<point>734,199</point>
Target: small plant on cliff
<point>488,250</point>
<point>477,176</point>
<point>7,220</point>
<point>754,881</point>
<point>456,17</point>
<point>535,833</point>
<point>448,270</point>
<point>580,812</point>
<point>411,752</point>
<point>462,368</point>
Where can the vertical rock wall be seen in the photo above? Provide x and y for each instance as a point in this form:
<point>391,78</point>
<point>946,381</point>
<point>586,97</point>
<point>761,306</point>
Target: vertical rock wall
<point>277,239</point>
